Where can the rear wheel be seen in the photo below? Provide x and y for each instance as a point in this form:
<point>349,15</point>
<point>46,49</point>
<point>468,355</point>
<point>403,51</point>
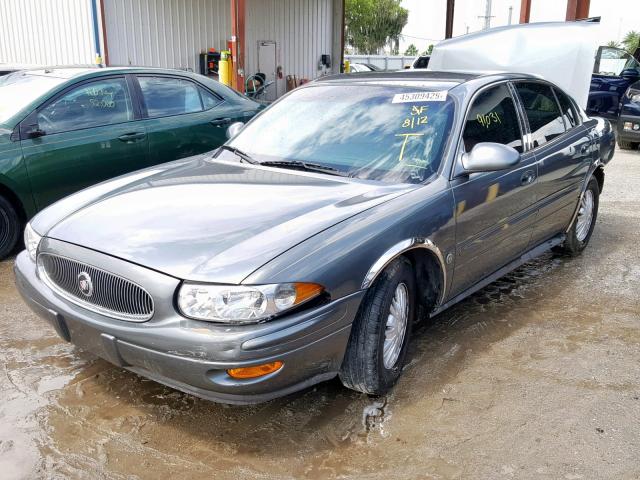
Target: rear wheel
<point>380,334</point>
<point>626,145</point>
<point>9,228</point>
<point>580,232</point>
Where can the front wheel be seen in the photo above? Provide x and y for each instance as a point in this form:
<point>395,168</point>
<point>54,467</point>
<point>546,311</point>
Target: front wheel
<point>580,232</point>
<point>380,333</point>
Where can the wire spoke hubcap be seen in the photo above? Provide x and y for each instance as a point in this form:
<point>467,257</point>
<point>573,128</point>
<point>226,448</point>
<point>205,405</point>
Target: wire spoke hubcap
<point>396,326</point>
<point>585,216</point>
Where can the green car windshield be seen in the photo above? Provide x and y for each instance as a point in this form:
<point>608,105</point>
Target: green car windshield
<point>385,133</point>
<point>19,89</point>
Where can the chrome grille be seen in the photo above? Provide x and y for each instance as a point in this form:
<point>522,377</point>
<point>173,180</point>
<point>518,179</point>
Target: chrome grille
<point>109,294</point>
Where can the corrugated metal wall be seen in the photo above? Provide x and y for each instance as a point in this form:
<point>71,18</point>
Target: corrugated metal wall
<point>165,33</point>
<point>302,30</point>
<point>46,32</point>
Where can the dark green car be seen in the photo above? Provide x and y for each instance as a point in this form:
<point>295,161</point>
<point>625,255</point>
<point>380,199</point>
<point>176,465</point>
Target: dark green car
<point>63,129</point>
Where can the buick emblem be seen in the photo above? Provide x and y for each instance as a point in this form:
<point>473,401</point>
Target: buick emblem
<point>85,284</point>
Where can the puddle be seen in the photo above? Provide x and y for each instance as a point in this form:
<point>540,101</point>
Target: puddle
<point>529,368</point>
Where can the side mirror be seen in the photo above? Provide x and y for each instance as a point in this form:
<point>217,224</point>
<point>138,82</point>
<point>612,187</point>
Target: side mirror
<point>489,157</point>
<point>630,74</point>
<point>234,129</point>
<point>32,131</point>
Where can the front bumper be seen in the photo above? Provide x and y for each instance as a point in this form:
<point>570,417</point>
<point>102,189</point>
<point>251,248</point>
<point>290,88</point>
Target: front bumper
<point>629,135</point>
<point>193,356</point>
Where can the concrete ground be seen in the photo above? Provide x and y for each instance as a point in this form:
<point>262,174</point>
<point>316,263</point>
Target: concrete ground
<point>537,376</point>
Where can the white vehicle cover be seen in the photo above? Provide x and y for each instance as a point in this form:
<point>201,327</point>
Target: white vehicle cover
<point>560,52</point>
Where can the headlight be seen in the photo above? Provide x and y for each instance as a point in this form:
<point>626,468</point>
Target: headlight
<point>634,95</point>
<point>240,303</point>
<point>31,241</point>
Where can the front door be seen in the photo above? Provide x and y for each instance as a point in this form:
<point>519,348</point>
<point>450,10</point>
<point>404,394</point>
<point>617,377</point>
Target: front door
<point>86,135</point>
<point>495,211</point>
<point>183,118</point>
<point>615,70</point>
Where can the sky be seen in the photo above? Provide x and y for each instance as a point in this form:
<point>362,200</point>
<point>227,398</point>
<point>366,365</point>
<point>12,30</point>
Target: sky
<point>427,17</point>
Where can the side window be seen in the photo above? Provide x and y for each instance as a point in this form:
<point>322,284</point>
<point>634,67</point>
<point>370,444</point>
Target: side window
<point>421,62</point>
<point>568,112</point>
<point>209,100</point>
<point>543,113</point>
<point>104,102</point>
<point>166,96</point>
<point>493,118</point>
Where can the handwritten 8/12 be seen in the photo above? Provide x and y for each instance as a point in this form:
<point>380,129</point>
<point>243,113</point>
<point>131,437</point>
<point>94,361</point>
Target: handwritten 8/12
<point>487,119</point>
<point>416,117</point>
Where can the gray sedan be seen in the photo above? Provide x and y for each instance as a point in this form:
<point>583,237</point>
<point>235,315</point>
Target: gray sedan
<point>309,245</point>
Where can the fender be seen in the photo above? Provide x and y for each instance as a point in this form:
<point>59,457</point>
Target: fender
<point>398,249</point>
<point>596,165</point>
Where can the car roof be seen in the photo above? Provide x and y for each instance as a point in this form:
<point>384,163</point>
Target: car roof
<point>419,78</point>
<point>407,75</point>
<point>69,72</point>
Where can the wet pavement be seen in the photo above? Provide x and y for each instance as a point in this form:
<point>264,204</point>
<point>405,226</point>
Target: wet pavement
<point>536,376</point>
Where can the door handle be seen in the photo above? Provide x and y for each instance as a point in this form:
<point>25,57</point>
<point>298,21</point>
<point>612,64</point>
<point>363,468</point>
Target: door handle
<point>220,122</point>
<point>583,150</point>
<point>132,137</point>
<point>528,177</point>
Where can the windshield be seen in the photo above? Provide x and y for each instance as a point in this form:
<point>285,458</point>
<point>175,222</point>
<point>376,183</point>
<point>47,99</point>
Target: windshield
<point>391,134</point>
<point>613,61</point>
<point>19,89</point>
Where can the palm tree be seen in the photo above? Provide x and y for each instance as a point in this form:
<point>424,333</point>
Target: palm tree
<point>631,41</point>
<point>613,44</point>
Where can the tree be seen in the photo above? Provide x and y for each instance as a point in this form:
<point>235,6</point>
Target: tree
<point>613,44</point>
<point>411,51</point>
<point>372,24</point>
<point>428,50</point>
<point>631,41</point>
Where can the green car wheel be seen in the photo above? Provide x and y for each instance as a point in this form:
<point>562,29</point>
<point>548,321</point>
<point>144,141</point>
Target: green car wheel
<point>9,228</point>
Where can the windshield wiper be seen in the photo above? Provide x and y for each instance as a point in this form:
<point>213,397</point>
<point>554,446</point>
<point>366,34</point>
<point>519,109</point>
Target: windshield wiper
<point>243,156</point>
<point>306,166</point>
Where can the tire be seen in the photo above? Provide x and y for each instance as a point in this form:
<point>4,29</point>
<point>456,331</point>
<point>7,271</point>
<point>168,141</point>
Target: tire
<point>9,228</point>
<point>626,145</point>
<point>364,367</point>
<point>579,234</point>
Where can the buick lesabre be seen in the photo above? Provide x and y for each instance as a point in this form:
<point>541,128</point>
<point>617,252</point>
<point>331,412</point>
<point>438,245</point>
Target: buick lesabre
<point>309,244</point>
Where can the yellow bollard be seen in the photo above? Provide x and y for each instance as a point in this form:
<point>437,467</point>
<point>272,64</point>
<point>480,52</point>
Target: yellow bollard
<point>224,68</point>
<point>347,66</point>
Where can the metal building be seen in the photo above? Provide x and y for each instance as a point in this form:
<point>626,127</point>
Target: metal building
<point>47,32</point>
<point>279,38</point>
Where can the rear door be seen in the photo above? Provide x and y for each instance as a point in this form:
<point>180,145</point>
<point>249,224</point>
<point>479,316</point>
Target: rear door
<point>562,147</point>
<point>495,211</point>
<point>183,118</point>
<point>86,134</point>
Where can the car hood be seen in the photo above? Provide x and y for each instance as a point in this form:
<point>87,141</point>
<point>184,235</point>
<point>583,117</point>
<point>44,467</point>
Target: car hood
<point>209,220</point>
<point>531,48</point>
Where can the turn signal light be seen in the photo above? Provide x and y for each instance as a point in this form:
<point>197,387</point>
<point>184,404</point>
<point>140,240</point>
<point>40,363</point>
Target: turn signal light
<point>306,291</point>
<point>255,371</point>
